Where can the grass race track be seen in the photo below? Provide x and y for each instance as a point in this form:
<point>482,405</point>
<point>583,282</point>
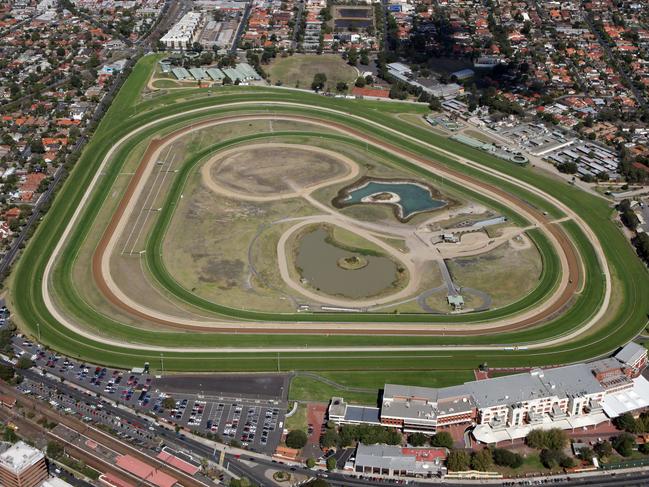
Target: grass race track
<point>624,317</point>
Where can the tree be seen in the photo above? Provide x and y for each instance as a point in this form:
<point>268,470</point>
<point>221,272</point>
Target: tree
<point>319,81</point>
<point>329,439</point>
<point>6,372</point>
<point>352,56</point>
<point>567,167</point>
<point>435,104</point>
<point>296,439</point>
<point>482,460</point>
<point>54,450</point>
<point>644,448</point>
<point>318,483</point>
<point>393,437</point>
<point>556,439</point>
<point>603,449</point>
<point>442,439</point>
<point>169,403</point>
<point>24,362</point>
<point>624,444</point>
<point>457,460</point>
<point>417,439</point>
<point>310,462</point>
<point>360,82</point>
<point>552,439</point>
<point>507,458</point>
<point>341,86</point>
<point>331,463</point>
<point>37,146</point>
<point>626,422</point>
<point>10,435</point>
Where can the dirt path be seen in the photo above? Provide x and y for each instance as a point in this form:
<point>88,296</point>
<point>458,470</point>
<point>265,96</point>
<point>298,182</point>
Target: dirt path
<point>209,182</point>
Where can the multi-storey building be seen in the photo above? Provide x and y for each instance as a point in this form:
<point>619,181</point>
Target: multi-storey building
<point>184,32</point>
<point>22,466</point>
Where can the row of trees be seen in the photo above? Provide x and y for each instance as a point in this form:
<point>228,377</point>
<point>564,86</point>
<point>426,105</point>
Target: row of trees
<point>626,422</point>
<point>641,243</point>
<point>628,217</point>
<point>482,460</point>
<point>367,434</point>
<point>441,439</point>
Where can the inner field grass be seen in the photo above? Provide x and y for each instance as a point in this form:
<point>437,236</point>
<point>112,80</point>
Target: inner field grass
<point>156,266</point>
<point>112,327</point>
<point>27,303</point>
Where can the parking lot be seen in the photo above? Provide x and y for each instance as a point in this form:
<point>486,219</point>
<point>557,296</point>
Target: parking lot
<point>133,431</point>
<point>255,420</point>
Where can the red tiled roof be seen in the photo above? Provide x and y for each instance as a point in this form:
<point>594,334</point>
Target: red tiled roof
<point>145,471</point>
<point>178,463</point>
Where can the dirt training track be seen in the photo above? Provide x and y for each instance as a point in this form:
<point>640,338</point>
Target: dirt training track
<point>565,248</point>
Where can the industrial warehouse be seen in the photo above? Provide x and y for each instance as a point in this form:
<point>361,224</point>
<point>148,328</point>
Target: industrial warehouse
<point>507,408</point>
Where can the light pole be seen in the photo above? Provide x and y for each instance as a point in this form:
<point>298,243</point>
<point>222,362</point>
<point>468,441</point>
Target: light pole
<point>38,328</point>
<point>162,364</point>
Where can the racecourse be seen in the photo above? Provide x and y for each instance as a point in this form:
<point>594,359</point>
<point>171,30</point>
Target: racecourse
<point>608,306</point>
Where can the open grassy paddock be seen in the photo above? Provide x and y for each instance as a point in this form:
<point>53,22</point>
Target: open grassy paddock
<point>76,320</point>
<point>298,70</point>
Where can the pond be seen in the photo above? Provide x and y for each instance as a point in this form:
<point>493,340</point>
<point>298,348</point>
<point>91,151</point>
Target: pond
<point>318,260</point>
<point>409,198</point>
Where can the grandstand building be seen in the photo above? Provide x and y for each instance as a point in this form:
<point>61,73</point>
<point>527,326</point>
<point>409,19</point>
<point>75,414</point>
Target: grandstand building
<point>506,408</point>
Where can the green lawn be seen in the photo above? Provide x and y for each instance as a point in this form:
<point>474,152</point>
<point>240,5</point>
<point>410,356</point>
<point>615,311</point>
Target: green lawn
<point>297,71</point>
<point>307,389</point>
<point>298,421</point>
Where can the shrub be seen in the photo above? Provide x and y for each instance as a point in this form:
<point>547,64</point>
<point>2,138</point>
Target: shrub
<point>586,454</point>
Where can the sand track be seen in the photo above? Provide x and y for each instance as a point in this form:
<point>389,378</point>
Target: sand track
<point>560,338</point>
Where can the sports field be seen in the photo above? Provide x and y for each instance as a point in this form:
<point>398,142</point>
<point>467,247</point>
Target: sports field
<point>166,190</point>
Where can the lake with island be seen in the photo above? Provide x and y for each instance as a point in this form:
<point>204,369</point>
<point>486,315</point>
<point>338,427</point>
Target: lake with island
<point>318,260</point>
<point>408,197</point>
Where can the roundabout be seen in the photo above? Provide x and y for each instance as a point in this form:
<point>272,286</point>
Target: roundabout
<point>182,231</point>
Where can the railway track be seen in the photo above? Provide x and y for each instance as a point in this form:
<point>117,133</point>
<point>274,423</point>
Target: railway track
<point>98,436</point>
